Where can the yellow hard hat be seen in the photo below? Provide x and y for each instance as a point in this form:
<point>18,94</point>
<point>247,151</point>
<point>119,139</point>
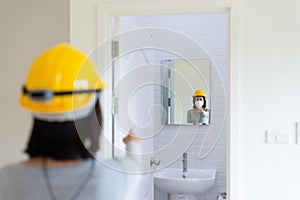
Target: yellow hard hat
<point>199,93</point>
<point>61,79</point>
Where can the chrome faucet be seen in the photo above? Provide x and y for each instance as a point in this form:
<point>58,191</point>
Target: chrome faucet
<point>184,162</point>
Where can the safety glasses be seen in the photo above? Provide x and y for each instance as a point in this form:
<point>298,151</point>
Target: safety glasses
<point>46,95</point>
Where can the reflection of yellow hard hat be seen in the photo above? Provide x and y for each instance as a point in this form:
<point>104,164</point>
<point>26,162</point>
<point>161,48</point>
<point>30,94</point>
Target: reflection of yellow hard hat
<point>61,79</point>
<point>199,93</point>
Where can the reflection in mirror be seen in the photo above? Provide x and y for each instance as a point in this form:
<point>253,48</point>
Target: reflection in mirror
<point>199,114</point>
<point>185,86</point>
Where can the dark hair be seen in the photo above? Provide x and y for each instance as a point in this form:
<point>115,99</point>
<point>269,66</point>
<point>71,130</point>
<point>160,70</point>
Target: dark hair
<point>204,104</point>
<point>63,140</point>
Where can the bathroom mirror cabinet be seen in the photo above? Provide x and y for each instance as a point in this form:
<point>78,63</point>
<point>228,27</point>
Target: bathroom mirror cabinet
<point>180,79</point>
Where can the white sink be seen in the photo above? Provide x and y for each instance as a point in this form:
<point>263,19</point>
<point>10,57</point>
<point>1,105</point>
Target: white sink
<point>196,181</point>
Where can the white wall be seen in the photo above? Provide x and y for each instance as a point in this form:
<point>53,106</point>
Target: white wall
<point>83,21</point>
<point>269,88</point>
<point>27,28</point>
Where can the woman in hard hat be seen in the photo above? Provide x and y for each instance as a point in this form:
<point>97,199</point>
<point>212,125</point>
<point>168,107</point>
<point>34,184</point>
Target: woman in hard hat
<point>199,114</point>
<point>62,91</point>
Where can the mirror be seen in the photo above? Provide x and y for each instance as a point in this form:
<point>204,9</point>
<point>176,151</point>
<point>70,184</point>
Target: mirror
<point>181,80</point>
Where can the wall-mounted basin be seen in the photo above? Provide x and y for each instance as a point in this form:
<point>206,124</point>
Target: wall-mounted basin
<point>194,181</point>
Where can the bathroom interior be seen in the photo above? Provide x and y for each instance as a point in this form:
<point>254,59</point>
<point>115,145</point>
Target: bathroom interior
<point>147,47</point>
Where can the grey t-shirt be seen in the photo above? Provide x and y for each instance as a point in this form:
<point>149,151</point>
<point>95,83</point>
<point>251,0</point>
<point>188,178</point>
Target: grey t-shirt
<point>197,117</point>
<point>25,182</point>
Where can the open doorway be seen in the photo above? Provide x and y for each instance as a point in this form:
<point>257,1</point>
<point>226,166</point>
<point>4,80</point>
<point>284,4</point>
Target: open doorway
<point>137,88</point>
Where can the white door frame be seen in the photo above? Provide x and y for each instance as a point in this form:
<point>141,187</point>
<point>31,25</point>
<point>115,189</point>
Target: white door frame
<point>109,8</point>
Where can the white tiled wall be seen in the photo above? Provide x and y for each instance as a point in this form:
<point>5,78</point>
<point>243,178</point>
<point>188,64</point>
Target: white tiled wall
<point>210,32</point>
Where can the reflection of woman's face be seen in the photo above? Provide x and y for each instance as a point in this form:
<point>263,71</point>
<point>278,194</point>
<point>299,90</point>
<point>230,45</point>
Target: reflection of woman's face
<point>199,102</point>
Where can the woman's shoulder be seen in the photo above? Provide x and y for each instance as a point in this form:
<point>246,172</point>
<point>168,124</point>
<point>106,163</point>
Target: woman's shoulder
<point>13,172</point>
<point>11,168</point>
<point>191,110</point>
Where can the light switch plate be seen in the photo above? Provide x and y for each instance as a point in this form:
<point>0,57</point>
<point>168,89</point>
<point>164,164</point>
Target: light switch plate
<point>276,138</point>
<point>297,133</point>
